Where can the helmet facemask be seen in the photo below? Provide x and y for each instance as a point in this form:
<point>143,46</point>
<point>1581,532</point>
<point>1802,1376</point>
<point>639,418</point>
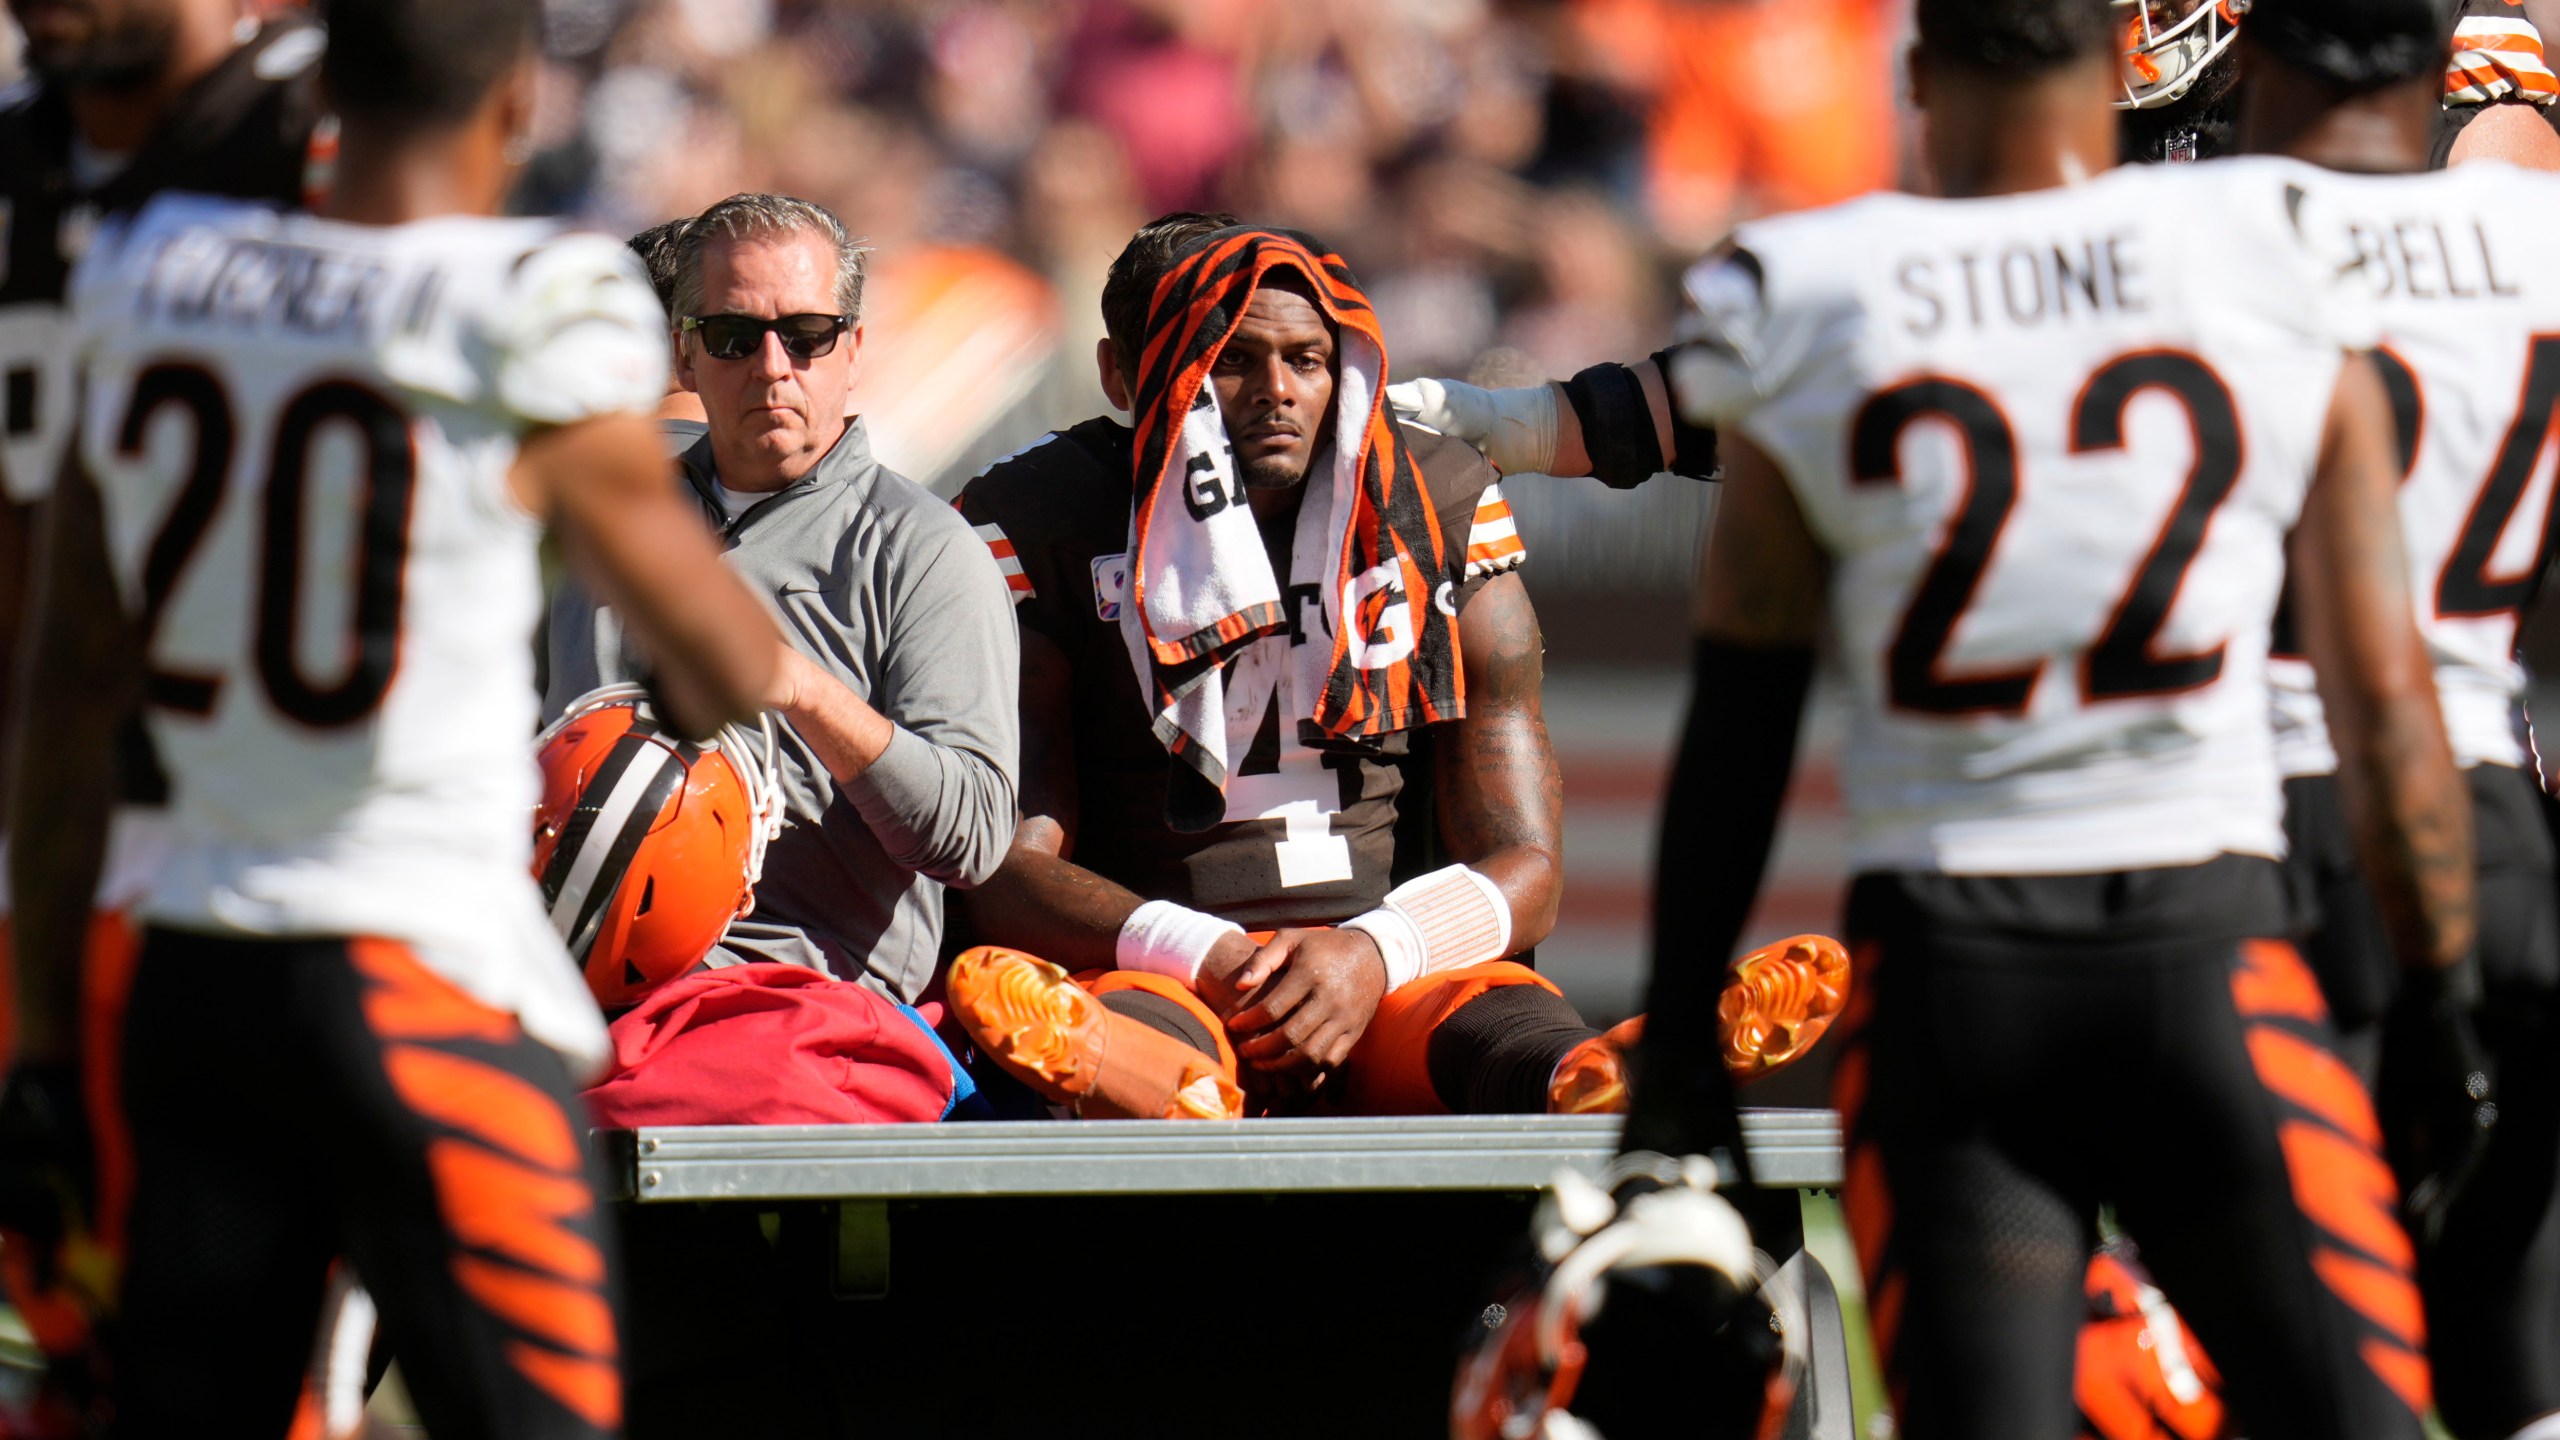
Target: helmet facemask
<point>647,848</point>
<point>2170,44</point>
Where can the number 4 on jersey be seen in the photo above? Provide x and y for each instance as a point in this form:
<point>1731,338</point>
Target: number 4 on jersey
<point>2466,587</point>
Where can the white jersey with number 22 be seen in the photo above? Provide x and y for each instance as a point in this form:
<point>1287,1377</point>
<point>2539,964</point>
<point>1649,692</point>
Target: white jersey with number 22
<point>2053,444</point>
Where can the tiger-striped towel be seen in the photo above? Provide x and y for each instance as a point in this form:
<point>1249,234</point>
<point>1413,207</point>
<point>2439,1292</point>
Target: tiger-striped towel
<point>1202,586</point>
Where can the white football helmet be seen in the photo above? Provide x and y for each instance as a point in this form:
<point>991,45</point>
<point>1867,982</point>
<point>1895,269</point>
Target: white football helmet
<point>1523,1378</point>
<point>2168,44</point>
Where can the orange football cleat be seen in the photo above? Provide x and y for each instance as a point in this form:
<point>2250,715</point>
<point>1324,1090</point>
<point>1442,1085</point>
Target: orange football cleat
<point>1777,1002</point>
<point>1055,1036</point>
<point>1592,1077</point>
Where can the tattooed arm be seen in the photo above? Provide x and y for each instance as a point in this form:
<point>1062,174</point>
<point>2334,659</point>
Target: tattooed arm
<point>1501,797</point>
<point>2411,814</point>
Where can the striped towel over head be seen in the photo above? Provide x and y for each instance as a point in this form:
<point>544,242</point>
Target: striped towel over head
<point>1201,582</point>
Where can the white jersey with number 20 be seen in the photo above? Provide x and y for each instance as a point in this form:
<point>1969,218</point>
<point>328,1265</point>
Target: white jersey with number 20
<point>302,432</point>
<point>2053,444</point>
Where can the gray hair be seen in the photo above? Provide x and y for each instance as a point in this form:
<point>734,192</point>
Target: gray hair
<point>661,252</point>
<point>770,217</point>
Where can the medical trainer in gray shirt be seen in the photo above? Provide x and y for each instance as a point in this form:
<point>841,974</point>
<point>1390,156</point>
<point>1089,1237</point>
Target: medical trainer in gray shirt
<point>898,758</point>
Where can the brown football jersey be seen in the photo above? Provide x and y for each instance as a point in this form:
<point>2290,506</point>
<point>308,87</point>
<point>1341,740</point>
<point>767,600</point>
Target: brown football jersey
<point>1311,834</point>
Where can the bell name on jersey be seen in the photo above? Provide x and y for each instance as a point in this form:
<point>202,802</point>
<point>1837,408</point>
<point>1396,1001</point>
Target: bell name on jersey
<point>302,432</point>
<point>2414,258</point>
<point>2467,295</point>
<point>2053,444</point>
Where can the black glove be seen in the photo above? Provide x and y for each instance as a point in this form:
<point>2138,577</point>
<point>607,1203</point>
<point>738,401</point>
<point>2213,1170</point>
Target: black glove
<point>1677,1350</point>
<point>47,1161</point>
<point>2441,1100</point>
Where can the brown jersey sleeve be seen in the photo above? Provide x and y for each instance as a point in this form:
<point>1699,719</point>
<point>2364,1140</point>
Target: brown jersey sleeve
<point>1479,538</point>
<point>1052,515</point>
<point>2497,59</point>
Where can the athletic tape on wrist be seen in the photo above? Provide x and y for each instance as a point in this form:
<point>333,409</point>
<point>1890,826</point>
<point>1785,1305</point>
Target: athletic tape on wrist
<point>1162,938</point>
<point>1440,921</point>
<point>1525,442</point>
<point>1617,425</point>
<point>1693,447</point>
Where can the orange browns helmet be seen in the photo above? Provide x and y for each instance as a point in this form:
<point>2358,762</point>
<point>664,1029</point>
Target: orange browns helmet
<point>648,846</point>
<point>2169,43</point>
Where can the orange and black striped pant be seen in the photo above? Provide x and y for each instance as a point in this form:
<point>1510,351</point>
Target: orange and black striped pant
<point>2492,1281</point>
<point>2021,1051</point>
<point>289,1102</point>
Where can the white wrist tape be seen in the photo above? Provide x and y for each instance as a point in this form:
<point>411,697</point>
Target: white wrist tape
<point>1438,921</point>
<point>1515,428</point>
<point>1163,938</point>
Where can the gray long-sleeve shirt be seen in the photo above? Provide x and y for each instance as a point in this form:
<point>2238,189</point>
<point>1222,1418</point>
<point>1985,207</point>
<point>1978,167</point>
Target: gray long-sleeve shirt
<point>886,588</point>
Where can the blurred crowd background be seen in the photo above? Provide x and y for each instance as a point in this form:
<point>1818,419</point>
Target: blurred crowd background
<point>1516,181</point>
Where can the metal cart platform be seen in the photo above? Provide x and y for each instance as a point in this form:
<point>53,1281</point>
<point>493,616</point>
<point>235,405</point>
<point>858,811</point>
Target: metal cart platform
<point>1394,1229</point>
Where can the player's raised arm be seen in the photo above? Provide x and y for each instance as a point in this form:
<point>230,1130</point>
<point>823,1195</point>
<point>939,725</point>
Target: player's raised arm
<point>82,678</point>
<point>603,484</point>
<point>1760,608</point>
<point>1614,422</point>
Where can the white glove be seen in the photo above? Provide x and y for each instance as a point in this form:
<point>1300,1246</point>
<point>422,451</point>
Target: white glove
<point>1515,429</point>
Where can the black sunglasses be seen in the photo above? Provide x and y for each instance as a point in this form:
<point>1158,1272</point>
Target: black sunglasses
<point>735,337</point>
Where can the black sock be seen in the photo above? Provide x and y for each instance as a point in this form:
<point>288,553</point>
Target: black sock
<point>1496,1055</point>
<point>1158,1013</point>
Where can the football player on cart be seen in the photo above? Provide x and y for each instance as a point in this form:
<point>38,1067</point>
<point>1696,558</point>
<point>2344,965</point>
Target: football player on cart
<point>1210,838</point>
